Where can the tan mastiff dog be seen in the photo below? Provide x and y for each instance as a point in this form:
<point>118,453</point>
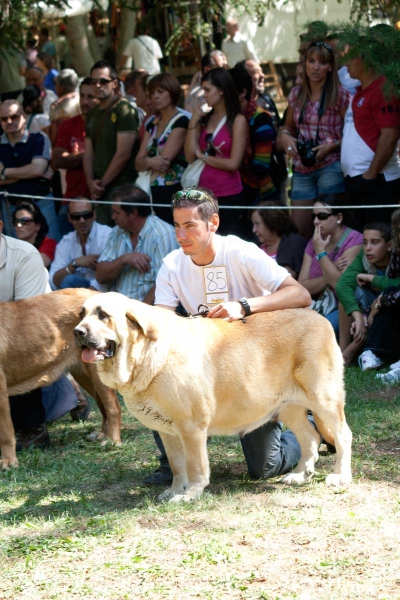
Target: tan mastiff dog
<point>191,378</point>
<point>37,346</point>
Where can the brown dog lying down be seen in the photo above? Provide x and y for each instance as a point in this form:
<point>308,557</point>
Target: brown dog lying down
<point>37,346</point>
<point>190,378</point>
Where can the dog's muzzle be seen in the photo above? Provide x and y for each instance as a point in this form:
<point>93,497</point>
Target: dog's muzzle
<point>93,349</point>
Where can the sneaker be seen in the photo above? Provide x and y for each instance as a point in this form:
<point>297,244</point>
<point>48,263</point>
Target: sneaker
<point>395,365</point>
<point>36,437</point>
<point>368,361</point>
<point>391,377</point>
<point>162,476</point>
<point>82,410</point>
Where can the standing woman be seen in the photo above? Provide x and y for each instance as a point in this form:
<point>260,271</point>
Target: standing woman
<point>312,133</point>
<point>223,153</point>
<point>161,149</point>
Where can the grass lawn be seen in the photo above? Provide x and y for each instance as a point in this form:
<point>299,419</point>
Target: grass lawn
<point>76,521</point>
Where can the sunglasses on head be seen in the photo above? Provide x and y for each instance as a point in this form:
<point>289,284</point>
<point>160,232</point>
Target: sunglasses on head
<point>189,194</point>
<point>321,45</point>
<point>101,81</point>
<point>12,118</point>
<point>23,221</point>
<point>84,215</point>
<point>322,216</point>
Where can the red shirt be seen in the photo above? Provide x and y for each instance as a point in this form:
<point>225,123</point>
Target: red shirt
<point>48,247</point>
<point>71,137</point>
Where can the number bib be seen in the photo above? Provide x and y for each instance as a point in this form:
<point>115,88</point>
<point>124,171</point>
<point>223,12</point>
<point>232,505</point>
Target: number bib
<point>216,284</point>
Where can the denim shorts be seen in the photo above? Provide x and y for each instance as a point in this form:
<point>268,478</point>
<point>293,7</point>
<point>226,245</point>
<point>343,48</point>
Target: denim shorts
<point>308,186</point>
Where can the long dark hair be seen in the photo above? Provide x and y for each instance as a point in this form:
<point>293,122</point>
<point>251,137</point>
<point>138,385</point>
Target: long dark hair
<point>221,79</point>
<point>38,218</point>
<point>277,221</point>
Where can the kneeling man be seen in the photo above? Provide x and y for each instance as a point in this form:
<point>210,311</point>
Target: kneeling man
<point>235,279</point>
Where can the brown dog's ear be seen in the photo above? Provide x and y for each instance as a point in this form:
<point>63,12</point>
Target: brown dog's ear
<point>143,320</point>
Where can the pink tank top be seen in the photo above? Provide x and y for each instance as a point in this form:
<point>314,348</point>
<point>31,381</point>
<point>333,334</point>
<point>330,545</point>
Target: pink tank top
<point>221,183</point>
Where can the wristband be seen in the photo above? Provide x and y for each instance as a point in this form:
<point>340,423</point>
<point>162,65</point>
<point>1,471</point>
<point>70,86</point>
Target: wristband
<point>68,271</point>
<point>285,131</point>
<point>321,255</point>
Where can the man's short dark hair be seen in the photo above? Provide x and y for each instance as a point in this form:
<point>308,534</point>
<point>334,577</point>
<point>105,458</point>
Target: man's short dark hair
<point>86,81</point>
<point>242,79</point>
<point>133,77</point>
<point>129,196</point>
<point>105,64</point>
<point>384,229</point>
<point>202,198</point>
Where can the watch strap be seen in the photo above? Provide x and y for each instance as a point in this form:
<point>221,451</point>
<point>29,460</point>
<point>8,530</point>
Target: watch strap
<point>245,303</point>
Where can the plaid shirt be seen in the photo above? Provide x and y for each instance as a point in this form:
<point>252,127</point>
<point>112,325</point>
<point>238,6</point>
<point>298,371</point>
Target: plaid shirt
<point>157,239</point>
<point>330,126</point>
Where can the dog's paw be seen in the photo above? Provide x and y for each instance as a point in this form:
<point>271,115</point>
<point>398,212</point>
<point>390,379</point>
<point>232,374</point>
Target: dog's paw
<point>337,479</point>
<point>96,436</point>
<point>6,463</point>
<point>296,478</point>
<point>166,495</point>
<point>176,498</point>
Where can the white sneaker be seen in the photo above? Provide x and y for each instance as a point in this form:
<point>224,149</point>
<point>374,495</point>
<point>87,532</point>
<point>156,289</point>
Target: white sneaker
<point>395,365</point>
<point>391,377</point>
<point>368,361</point>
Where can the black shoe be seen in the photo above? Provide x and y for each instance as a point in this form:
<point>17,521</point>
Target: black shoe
<point>36,437</point>
<point>82,410</point>
<point>162,476</point>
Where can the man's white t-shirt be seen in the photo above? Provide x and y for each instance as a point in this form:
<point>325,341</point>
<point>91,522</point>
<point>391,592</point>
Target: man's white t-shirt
<point>239,269</point>
<point>145,52</point>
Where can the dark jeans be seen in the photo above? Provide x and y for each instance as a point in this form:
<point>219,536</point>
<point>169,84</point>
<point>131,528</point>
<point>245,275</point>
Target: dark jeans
<point>384,334</point>
<point>234,221</point>
<point>360,191</point>
<point>268,451</point>
<point>27,410</point>
<point>162,194</point>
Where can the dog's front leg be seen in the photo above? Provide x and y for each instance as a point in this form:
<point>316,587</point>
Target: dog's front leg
<point>176,458</point>
<point>193,450</point>
<point>7,437</point>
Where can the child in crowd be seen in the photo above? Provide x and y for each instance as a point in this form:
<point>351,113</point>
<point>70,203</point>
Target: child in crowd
<point>359,290</point>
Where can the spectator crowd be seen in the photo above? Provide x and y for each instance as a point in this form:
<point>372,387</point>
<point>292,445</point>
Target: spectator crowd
<point>119,151</point>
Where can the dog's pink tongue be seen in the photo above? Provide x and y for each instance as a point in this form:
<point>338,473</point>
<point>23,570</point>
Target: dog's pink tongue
<point>89,354</point>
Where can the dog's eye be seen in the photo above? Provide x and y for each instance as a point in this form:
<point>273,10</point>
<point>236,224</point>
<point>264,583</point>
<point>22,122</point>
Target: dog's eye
<point>102,315</point>
<point>81,314</point>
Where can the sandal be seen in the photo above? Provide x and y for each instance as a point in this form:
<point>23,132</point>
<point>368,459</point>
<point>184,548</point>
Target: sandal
<point>390,377</point>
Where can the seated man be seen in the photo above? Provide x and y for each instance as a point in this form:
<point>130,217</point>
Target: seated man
<point>236,279</point>
<point>76,256</point>
<point>24,164</point>
<point>370,273</point>
<point>136,247</point>
<point>23,275</point>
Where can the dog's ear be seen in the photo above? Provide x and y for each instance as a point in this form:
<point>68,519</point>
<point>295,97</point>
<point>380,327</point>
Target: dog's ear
<point>142,319</point>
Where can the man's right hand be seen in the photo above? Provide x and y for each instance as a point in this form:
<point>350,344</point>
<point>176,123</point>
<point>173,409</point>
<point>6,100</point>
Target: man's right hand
<point>96,189</point>
<point>358,329</point>
<point>89,261</point>
<point>138,260</point>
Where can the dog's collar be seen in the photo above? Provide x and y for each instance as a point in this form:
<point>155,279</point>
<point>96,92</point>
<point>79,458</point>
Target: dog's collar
<point>203,311</point>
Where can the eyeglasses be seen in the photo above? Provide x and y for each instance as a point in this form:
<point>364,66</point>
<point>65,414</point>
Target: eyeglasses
<point>12,118</point>
<point>190,194</point>
<point>101,81</point>
<point>84,215</point>
<point>23,221</point>
<point>322,216</point>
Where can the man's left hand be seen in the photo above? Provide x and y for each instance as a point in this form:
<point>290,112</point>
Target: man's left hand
<point>229,311</point>
<point>364,279</point>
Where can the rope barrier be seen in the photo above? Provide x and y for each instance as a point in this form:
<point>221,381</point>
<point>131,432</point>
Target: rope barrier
<point>7,195</point>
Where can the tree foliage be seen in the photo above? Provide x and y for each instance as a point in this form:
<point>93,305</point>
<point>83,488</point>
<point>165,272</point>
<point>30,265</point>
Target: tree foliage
<point>16,15</point>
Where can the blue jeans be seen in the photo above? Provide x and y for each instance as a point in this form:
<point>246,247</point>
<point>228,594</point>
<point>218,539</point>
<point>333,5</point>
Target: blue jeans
<point>328,180</point>
<point>268,451</point>
<point>58,398</point>
<point>74,281</point>
<point>333,319</point>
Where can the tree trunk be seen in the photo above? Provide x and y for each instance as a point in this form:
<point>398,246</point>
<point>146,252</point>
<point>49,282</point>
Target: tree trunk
<point>82,59</point>
<point>95,49</point>
<point>126,29</point>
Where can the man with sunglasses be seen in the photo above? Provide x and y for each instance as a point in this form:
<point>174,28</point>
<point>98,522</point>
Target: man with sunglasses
<point>235,279</point>
<point>76,256</point>
<point>24,165</point>
<point>111,142</point>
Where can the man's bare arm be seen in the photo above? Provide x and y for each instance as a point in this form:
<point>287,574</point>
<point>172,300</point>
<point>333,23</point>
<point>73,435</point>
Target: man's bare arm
<point>384,151</point>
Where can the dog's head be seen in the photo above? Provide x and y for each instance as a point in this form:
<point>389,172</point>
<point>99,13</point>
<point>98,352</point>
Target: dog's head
<point>110,324</point>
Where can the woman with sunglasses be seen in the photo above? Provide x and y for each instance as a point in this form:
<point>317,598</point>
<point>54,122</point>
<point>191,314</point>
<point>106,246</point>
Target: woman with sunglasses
<point>332,248</point>
<point>161,149</point>
<point>312,132</point>
<point>219,139</point>
<point>31,226</point>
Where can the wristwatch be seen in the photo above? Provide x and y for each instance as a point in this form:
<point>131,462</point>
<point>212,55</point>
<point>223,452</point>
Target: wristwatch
<point>244,302</point>
<point>73,264</point>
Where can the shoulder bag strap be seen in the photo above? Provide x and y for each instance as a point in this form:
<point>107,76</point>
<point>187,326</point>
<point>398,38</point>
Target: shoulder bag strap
<point>342,240</point>
<point>218,128</point>
<point>145,45</point>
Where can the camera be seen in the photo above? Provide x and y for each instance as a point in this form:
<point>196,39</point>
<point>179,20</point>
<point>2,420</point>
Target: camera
<point>308,158</point>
